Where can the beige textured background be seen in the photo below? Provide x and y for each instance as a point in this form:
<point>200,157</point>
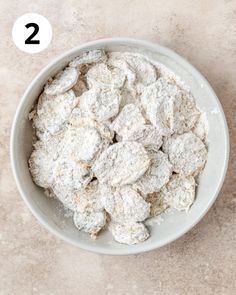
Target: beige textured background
<point>32,261</point>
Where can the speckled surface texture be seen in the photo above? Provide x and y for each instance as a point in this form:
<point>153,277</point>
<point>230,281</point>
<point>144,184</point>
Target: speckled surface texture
<point>201,262</point>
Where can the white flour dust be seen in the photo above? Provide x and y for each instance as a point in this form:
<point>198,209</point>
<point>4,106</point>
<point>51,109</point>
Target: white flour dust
<point>120,141</point>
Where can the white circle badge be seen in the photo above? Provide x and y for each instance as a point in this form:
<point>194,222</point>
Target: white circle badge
<point>32,33</point>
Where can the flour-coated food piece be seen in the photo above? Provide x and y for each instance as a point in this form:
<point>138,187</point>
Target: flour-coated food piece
<point>54,111</point>
<point>158,107</point>
<point>101,75</point>
<point>179,193</point>
<point>89,198</point>
<point>157,175</point>
<point>125,204</point>
<point>90,222</point>
<point>79,88</point>
<point>76,121</point>
<point>82,143</point>
<point>86,199</point>
<point>43,158</point>
<point>100,104</point>
<point>148,135</point>
<point>116,61</point>
<point>121,163</point>
<point>89,57</point>
<point>128,120</point>
<point>129,233</point>
<point>187,154</point>
<point>168,107</point>
<point>62,82</point>
<point>145,72</point>
<point>41,164</point>
<point>128,91</point>
<point>186,113</point>
<point>201,127</point>
<point>71,174</point>
<point>53,143</point>
<point>54,139</point>
<point>85,139</point>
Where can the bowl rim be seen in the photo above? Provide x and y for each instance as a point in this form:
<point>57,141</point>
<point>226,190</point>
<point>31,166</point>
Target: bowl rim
<point>102,42</point>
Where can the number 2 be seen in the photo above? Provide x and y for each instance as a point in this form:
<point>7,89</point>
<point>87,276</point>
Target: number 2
<point>33,34</point>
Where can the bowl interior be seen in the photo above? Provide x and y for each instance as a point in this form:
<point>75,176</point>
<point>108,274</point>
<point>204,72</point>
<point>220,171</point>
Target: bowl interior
<point>50,212</point>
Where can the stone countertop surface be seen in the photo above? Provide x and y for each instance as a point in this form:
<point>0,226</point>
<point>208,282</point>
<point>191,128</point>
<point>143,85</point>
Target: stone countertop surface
<point>203,261</point>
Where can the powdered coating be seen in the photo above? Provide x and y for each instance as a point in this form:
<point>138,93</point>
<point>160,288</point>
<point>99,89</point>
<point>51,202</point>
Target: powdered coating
<point>88,57</point>
<point>41,165</point>
<point>70,175</point>
<point>116,61</point>
<point>100,125</point>
<point>65,196</point>
<point>145,72</point>
<point>84,140</point>
<point>201,127</point>
<point>100,104</point>
<point>63,81</point>
<point>89,198</point>
<point>148,135</point>
<point>179,193</point>
<point>90,222</point>
<point>157,175</point>
<point>101,75</point>
<point>168,107</point>
<point>53,112</point>
<point>122,163</point>
<point>187,154</point>
<point>128,121</point>
<point>125,204</point>
<point>129,233</point>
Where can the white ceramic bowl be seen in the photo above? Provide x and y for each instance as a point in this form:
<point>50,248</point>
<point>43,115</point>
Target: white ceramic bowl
<point>174,225</point>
